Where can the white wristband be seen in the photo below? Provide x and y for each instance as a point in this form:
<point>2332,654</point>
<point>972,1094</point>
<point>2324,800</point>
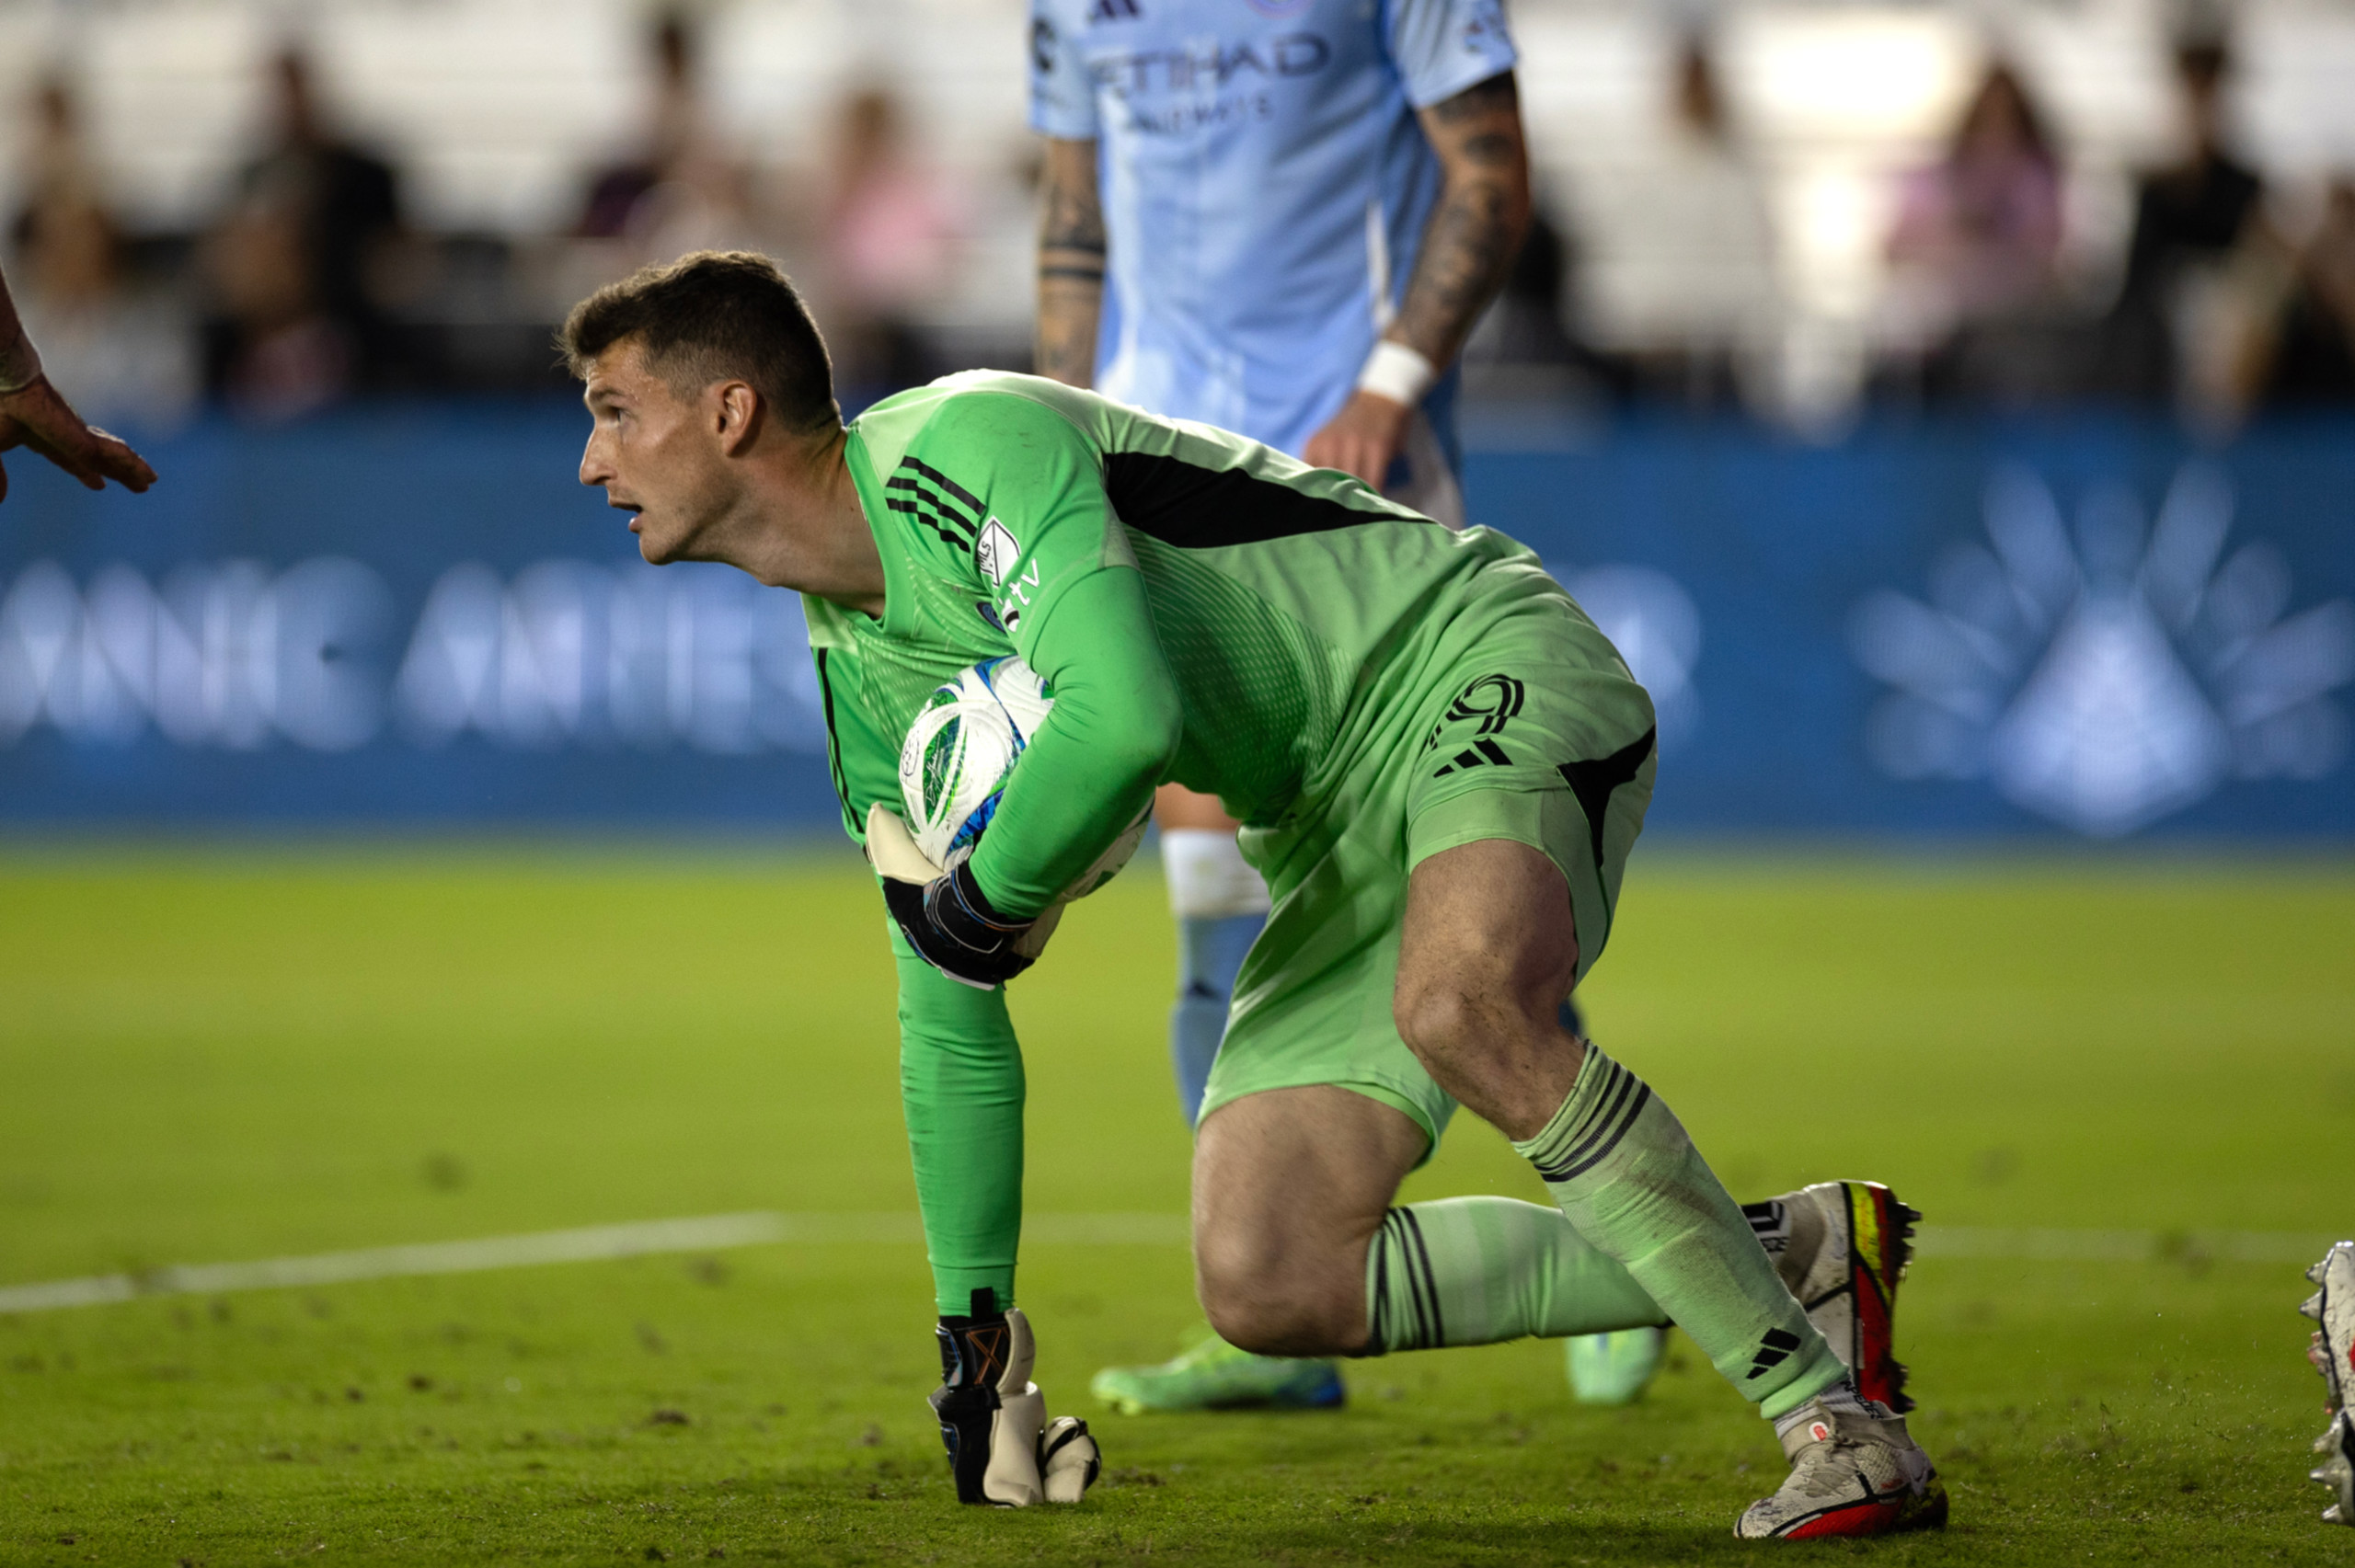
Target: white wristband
<point>1396,372</point>
<point>19,366</point>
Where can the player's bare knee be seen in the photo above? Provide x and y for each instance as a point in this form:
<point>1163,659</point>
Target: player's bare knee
<point>1290,1185</point>
<point>1243,1319</point>
<point>1279,1291</point>
<point>1435,1014</point>
<point>1449,1014</point>
<point>1284,1315</point>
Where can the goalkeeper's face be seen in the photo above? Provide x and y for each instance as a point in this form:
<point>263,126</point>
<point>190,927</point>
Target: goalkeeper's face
<point>659,455</point>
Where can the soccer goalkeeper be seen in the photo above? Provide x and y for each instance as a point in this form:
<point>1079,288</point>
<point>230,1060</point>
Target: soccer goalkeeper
<point>1441,766</point>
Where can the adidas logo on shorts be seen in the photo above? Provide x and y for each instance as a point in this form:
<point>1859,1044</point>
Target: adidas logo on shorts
<point>1487,702</point>
<point>1474,755</point>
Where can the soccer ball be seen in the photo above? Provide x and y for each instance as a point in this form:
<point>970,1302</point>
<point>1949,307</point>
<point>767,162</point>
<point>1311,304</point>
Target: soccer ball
<point>961,749</point>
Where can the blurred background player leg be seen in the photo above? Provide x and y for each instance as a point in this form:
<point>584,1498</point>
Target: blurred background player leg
<point>1220,904</point>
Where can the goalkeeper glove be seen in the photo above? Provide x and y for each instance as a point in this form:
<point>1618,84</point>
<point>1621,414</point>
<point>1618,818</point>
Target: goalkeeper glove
<point>952,927</point>
<point>944,914</point>
<point>1002,1450</point>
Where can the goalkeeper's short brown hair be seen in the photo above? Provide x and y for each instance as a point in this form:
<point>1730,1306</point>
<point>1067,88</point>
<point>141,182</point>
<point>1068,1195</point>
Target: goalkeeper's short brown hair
<point>713,316</point>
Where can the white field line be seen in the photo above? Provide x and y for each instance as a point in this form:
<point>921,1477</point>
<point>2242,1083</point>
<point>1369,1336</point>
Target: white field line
<point>2121,1246</point>
<point>706,1233</point>
<point>713,1233</point>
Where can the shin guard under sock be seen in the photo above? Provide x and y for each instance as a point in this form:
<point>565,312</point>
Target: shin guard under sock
<point>1477,1270</point>
<point>1626,1175</point>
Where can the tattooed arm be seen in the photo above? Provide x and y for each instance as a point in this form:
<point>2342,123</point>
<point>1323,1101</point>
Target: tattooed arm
<point>1070,264</point>
<point>1477,229</point>
<point>1469,246</point>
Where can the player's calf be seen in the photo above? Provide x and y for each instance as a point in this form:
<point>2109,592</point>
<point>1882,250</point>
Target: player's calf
<point>1627,1178</point>
<point>1002,1448</point>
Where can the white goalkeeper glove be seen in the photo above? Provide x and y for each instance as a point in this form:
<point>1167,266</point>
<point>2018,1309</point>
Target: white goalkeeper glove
<point>1002,1448</point>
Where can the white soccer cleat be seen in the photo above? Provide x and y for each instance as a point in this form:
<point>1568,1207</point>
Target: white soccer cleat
<point>1842,1247</point>
<point>1852,1473</point>
<point>2333,1353</point>
<point>2333,1306</point>
<point>2338,1471</point>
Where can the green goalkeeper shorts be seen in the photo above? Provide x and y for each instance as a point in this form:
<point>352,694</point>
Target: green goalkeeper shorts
<point>1527,728</point>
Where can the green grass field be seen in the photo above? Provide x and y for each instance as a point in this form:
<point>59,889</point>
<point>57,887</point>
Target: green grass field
<point>215,1056</point>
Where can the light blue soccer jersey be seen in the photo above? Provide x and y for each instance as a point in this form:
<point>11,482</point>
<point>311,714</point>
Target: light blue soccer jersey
<point>1265,187</point>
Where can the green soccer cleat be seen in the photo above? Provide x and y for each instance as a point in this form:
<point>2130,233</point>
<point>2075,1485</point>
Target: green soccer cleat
<point>1214,1375</point>
<point>1613,1369</point>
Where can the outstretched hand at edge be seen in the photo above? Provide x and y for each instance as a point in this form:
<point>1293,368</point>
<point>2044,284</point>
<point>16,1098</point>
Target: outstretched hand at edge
<point>36,417</point>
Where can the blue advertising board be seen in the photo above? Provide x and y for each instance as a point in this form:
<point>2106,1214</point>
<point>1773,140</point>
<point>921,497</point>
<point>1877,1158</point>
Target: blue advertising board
<point>2079,627</point>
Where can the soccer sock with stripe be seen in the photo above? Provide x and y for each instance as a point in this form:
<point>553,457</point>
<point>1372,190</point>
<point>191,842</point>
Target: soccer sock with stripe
<point>1475,1270</point>
<point>1628,1179</point>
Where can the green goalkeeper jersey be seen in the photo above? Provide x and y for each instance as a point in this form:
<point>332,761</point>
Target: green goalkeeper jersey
<point>1206,610</point>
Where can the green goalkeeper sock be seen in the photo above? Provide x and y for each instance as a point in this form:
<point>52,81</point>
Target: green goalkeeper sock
<point>1475,1270</point>
<point>1626,1176</point>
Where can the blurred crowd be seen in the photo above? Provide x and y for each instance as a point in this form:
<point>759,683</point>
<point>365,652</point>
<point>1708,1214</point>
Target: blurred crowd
<point>310,285</point>
<point>2224,303</point>
<point>2216,309</point>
